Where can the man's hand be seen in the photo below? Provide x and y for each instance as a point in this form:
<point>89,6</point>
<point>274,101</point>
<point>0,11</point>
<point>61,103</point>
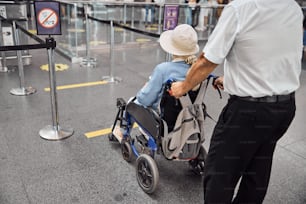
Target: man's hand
<point>198,72</point>
<point>177,89</point>
<point>218,83</point>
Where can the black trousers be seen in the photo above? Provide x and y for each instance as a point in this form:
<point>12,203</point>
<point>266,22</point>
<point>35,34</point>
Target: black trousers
<point>242,147</point>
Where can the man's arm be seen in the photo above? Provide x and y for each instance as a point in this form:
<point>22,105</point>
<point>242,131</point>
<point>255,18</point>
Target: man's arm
<point>198,73</point>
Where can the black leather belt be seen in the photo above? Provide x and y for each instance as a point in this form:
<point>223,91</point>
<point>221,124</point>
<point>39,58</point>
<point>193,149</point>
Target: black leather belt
<point>266,99</point>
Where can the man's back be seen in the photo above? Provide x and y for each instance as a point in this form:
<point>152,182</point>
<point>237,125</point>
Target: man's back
<point>264,38</point>
<point>260,42</point>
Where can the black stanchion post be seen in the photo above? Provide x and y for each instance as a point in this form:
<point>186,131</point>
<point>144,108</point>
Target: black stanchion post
<point>22,90</point>
<point>54,131</point>
<point>111,77</point>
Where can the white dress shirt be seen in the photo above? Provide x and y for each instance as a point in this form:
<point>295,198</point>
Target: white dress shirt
<point>260,42</point>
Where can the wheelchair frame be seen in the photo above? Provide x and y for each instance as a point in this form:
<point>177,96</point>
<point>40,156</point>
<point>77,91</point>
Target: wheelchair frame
<point>146,169</point>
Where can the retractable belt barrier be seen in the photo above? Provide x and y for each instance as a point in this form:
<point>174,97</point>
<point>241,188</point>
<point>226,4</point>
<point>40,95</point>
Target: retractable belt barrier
<point>111,77</point>
<point>50,132</point>
<point>21,90</point>
<point>126,27</point>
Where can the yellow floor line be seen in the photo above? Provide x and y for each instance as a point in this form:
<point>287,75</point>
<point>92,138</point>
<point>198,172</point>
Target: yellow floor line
<point>98,133</point>
<point>102,132</point>
<point>78,85</point>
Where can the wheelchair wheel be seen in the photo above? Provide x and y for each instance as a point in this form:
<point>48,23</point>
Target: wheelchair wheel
<point>126,151</point>
<point>197,165</point>
<point>147,173</point>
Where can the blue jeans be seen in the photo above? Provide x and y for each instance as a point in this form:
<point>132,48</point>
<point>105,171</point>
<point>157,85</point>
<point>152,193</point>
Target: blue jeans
<point>150,7</point>
<point>192,15</point>
<point>188,14</point>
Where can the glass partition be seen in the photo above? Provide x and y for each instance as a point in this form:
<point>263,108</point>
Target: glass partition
<point>86,24</point>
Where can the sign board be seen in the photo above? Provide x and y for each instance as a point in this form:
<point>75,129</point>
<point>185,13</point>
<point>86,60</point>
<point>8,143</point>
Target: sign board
<point>171,14</point>
<point>47,15</point>
<point>3,11</point>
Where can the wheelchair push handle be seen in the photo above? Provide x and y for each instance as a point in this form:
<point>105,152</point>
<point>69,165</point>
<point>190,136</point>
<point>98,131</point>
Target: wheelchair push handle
<point>168,88</point>
<point>168,85</point>
<point>214,77</point>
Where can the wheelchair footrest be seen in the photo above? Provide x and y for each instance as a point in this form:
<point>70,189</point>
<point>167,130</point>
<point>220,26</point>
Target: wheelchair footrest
<point>118,133</point>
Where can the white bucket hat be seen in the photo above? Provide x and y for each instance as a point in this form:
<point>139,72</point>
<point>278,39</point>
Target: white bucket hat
<point>182,41</point>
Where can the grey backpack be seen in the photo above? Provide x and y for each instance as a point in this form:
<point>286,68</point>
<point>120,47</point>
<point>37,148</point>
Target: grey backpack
<point>184,141</point>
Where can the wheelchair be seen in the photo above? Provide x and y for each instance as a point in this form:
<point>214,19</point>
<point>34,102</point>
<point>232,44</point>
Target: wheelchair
<point>153,129</point>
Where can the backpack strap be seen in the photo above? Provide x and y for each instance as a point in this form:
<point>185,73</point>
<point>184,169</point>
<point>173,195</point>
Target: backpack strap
<point>185,101</point>
<point>202,92</point>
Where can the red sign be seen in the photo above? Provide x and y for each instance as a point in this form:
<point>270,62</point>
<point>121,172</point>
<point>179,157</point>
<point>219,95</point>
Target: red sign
<point>47,18</point>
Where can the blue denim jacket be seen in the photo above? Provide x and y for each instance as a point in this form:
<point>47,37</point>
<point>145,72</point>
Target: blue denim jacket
<point>150,94</point>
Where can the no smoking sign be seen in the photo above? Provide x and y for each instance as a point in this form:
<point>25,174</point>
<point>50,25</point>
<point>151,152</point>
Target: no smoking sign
<point>47,17</point>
